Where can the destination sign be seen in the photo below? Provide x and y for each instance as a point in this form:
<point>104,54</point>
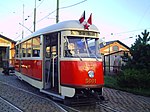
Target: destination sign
<point>87,33</point>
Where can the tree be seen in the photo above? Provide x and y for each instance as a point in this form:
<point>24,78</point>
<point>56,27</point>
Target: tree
<point>141,52</point>
<point>141,40</point>
<point>145,39</point>
<point>137,71</point>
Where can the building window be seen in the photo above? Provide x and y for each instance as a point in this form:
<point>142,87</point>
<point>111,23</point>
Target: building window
<point>115,48</point>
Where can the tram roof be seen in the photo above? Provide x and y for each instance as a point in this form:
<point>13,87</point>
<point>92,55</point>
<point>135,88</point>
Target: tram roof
<point>65,25</point>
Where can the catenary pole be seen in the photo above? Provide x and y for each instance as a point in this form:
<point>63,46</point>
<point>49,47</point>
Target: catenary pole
<point>57,12</point>
<point>34,23</point>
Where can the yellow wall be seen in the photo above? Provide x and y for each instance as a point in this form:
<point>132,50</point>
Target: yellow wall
<point>6,43</point>
<point>109,48</point>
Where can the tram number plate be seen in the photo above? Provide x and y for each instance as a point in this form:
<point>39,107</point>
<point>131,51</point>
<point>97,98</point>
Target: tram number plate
<point>90,81</point>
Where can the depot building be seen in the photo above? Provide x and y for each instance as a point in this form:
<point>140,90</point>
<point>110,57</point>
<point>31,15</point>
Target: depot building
<point>7,50</point>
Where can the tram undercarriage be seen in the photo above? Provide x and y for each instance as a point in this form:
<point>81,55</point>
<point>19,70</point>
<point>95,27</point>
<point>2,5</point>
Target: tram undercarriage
<point>85,96</point>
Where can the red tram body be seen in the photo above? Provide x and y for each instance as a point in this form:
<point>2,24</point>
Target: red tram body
<point>62,60</point>
<point>79,70</point>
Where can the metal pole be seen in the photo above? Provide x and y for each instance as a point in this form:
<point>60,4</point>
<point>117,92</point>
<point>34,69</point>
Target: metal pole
<point>26,27</point>
<point>34,16</point>
<point>109,58</point>
<point>104,66</point>
<point>23,22</point>
<point>57,12</point>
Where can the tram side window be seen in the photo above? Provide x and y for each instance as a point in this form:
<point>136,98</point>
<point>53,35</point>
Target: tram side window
<point>17,51</point>
<point>24,49</point>
<point>53,45</point>
<point>53,51</point>
<point>47,47</point>
<point>36,47</point>
<point>20,51</point>
<point>29,47</point>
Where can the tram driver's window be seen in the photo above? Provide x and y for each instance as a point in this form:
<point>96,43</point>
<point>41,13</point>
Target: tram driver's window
<point>36,47</point>
<point>67,50</point>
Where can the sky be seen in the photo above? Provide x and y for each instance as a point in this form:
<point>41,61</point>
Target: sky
<point>116,19</point>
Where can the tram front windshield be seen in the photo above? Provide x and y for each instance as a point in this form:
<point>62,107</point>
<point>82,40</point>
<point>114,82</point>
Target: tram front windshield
<point>81,47</point>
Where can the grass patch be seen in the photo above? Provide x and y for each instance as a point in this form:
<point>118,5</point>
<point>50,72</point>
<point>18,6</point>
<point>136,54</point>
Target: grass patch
<point>111,82</point>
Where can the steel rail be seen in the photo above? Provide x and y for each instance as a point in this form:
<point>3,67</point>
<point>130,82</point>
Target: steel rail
<point>10,104</point>
<point>34,94</point>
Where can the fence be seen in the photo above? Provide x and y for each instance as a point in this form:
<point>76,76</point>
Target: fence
<point>113,62</point>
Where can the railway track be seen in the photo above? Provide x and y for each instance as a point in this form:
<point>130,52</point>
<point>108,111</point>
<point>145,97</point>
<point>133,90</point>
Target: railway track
<point>88,108</point>
<point>107,108</point>
<point>95,108</point>
<point>8,106</point>
<point>26,88</point>
<point>117,101</point>
<point>44,97</point>
<point>98,107</point>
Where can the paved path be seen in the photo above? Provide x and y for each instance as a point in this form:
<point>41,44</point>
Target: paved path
<point>24,101</point>
<point>5,106</point>
<point>119,100</point>
<point>126,102</point>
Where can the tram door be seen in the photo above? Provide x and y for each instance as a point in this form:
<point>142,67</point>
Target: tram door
<point>51,62</point>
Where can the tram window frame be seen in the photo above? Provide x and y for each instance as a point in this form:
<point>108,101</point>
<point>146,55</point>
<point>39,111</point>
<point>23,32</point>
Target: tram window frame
<point>23,49</point>
<point>53,51</point>
<point>48,48</point>
<point>17,51</point>
<point>54,41</point>
<point>29,48</point>
<point>51,48</point>
<point>47,51</point>
<point>80,49</point>
<point>36,47</point>
<point>20,51</point>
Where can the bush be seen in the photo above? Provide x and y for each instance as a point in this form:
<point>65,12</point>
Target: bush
<point>133,78</point>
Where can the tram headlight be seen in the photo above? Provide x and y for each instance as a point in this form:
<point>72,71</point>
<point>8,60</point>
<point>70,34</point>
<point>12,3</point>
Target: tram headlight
<point>91,74</point>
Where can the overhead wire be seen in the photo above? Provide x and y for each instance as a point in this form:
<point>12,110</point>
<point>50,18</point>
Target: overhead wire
<point>62,8</point>
<point>130,31</point>
<point>40,3</point>
<point>55,11</point>
<point>145,12</point>
<point>73,4</point>
<point>31,14</point>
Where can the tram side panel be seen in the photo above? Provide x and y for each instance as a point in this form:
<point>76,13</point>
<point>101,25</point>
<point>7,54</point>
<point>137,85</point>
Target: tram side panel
<point>37,69</point>
<point>75,74</point>
<point>17,65</point>
<point>30,68</point>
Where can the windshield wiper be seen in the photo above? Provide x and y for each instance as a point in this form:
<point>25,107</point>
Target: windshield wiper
<point>86,47</point>
<point>95,56</point>
<point>79,57</point>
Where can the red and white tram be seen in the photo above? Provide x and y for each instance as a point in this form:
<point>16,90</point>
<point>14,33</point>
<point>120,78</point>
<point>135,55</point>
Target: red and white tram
<point>62,60</point>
